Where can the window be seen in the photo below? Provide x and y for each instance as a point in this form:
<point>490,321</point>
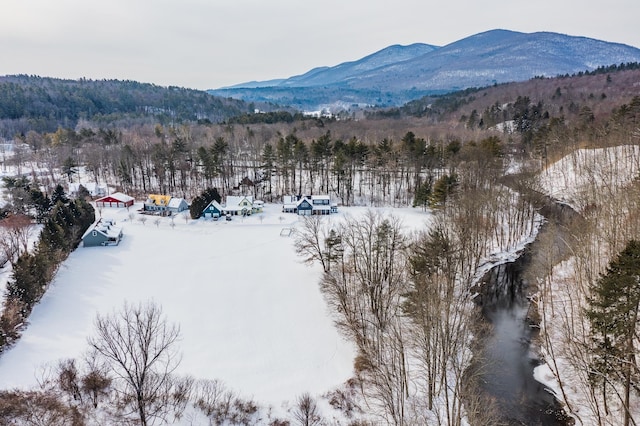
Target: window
<point>94,233</point>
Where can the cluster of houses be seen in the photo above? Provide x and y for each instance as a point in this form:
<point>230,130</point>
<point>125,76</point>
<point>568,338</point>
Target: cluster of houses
<point>104,232</point>
<point>234,206</point>
<point>303,205</point>
<point>164,205</point>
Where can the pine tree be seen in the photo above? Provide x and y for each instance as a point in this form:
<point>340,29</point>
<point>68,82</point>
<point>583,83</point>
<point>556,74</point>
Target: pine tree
<point>59,195</point>
<point>422,195</point>
<point>613,315</point>
<point>442,189</point>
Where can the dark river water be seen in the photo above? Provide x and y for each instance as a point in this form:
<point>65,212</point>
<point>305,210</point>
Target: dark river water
<point>507,353</point>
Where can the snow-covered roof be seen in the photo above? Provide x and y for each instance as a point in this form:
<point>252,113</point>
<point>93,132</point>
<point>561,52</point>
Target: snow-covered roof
<point>119,196</point>
<point>106,227</point>
<point>234,200</point>
<point>215,204</point>
<point>176,202</point>
<point>92,187</point>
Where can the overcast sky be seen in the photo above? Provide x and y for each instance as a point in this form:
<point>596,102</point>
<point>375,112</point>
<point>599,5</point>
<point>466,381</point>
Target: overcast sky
<point>205,44</point>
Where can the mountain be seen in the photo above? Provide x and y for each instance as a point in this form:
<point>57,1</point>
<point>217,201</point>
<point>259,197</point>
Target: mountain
<point>398,74</point>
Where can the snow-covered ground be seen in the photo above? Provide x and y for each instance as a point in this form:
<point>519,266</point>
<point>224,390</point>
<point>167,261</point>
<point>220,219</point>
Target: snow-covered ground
<point>250,313</point>
<point>581,178</point>
<point>585,169</point>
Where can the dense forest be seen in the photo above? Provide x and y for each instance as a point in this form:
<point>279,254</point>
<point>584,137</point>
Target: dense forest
<point>410,314</point>
<point>44,104</point>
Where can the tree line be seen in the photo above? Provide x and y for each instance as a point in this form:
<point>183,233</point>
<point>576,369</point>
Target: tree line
<point>64,221</point>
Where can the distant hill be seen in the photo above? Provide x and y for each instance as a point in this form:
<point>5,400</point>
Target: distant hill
<point>43,104</point>
<point>398,74</point>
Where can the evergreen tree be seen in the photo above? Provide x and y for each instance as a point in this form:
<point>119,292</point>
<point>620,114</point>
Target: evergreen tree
<point>28,280</point>
<point>422,195</point>
<point>83,192</point>
<point>443,188</point>
<point>613,315</point>
<point>200,202</point>
<point>41,203</point>
<point>268,166</point>
<point>59,195</point>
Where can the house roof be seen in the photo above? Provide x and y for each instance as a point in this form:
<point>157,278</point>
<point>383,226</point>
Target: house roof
<point>234,200</point>
<point>118,196</point>
<point>215,204</point>
<point>106,228</point>
<point>176,202</point>
<point>160,200</point>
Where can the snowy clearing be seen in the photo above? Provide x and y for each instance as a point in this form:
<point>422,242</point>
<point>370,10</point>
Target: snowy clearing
<point>251,314</point>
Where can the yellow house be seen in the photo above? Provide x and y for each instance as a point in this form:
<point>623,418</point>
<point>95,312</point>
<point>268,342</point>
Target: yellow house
<point>157,202</point>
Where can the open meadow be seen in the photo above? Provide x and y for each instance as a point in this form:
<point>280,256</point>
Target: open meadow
<point>250,312</point>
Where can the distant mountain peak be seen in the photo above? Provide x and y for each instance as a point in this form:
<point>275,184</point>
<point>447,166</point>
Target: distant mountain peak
<point>397,74</point>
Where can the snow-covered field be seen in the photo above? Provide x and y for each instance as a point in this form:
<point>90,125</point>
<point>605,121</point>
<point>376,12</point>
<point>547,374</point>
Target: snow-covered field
<point>250,313</point>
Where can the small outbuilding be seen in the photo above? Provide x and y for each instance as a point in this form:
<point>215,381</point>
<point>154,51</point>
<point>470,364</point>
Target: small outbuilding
<point>117,199</point>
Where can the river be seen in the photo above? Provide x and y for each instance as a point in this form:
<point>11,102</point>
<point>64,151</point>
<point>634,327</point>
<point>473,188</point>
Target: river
<point>507,353</point>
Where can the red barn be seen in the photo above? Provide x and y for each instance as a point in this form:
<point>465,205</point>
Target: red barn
<point>117,199</point>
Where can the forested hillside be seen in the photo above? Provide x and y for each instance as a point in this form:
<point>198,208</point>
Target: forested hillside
<point>43,104</point>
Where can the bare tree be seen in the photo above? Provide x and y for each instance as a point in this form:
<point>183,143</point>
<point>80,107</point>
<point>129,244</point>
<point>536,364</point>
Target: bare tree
<point>14,238</point>
<point>139,346</point>
<point>309,242</point>
<point>365,289</point>
<point>306,412</point>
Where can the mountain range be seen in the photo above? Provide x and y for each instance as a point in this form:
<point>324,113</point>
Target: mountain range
<point>398,74</point>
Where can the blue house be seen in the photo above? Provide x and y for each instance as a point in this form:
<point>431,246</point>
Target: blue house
<point>102,233</point>
<point>213,210</point>
<point>177,205</point>
<point>309,205</point>
<point>304,207</point>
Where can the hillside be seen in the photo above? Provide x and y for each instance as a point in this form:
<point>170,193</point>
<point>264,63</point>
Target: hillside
<point>600,91</point>
<point>398,74</point>
<point>43,104</point>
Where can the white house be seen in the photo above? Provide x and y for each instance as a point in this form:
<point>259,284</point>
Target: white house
<point>243,205</point>
<point>94,189</point>
<point>308,205</point>
<point>238,205</point>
